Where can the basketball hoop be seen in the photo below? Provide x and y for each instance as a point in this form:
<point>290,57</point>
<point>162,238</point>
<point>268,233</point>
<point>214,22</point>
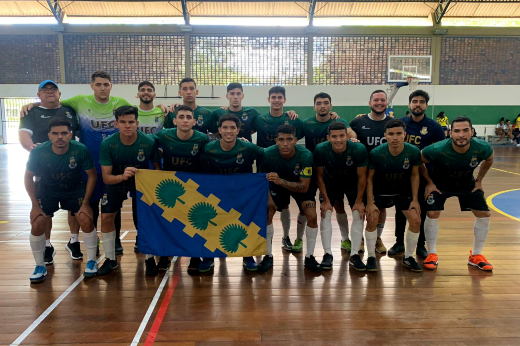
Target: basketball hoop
<point>412,82</point>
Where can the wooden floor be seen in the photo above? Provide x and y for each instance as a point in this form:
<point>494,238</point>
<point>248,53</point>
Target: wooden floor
<point>454,305</point>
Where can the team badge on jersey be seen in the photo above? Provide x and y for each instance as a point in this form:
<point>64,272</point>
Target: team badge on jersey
<point>72,163</point>
<point>424,130</point>
<point>307,171</point>
<point>406,164</point>
<point>200,120</point>
<point>240,159</point>
<point>430,200</point>
<point>244,116</point>
<point>297,169</point>
<point>104,200</point>
<point>286,122</point>
<point>140,155</point>
<point>349,161</point>
<point>474,162</point>
<point>68,115</point>
<point>195,149</point>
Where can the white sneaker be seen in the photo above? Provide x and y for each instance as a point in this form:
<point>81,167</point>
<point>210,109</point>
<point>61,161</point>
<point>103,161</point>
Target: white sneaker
<point>39,274</point>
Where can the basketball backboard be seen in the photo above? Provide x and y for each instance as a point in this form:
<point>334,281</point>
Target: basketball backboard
<point>402,66</point>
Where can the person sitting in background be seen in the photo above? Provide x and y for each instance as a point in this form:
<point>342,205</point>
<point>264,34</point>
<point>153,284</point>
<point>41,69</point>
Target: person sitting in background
<point>499,129</point>
<point>508,130</point>
<point>442,120</point>
<point>516,130</point>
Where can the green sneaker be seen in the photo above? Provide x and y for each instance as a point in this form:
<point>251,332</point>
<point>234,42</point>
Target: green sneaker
<point>346,245</point>
<point>297,246</point>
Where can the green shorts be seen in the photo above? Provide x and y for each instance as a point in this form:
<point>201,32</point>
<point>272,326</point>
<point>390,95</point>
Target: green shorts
<point>114,197</point>
<point>401,202</point>
<point>52,201</point>
<point>337,193</point>
<point>467,200</point>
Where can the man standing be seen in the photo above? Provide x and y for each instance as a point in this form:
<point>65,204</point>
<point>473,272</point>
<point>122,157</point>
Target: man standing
<point>454,161</point>
<point>151,117</point>
<point>60,163</point>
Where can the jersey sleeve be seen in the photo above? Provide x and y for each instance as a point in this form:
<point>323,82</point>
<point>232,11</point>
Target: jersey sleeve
<point>318,157</point>
<point>87,162</point>
<point>341,120</point>
<point>123,102</point>
<point>373,160</point>
<point>73,102</point>
<point>488,151</point>
<point>105,159</point>
<point>307,166</point>
<point>416,158</point>
<point>27,123</point>
<point>32,163</point>
<point>213,122</point>
<point>438,134</point>
<point>168,122</point>
<point>362,156</point>
<point>429,153</point>
<point>298,124</point>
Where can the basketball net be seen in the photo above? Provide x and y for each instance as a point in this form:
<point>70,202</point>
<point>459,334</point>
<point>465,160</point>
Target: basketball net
<point>412,82</point>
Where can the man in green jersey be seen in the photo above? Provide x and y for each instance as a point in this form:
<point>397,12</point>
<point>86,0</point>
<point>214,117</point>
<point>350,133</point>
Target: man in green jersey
<point>151,117</point>
<point>341,170</point>
<point>393,180</point>
<point>121,155</point>
<point>289,172</point>
<point>182,147</point>
<point>229,155</point>
<point>60,163</point>
<point>453,162</point>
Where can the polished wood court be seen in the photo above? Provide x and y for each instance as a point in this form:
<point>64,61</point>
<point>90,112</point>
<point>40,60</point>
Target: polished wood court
<point>453,305</point>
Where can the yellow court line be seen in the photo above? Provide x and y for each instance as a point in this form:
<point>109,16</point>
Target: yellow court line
<point>4,221</point>
<point>490,203</point>
<point>501,170</point>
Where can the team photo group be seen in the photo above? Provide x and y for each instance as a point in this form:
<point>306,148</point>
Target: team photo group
<point>376,161</point>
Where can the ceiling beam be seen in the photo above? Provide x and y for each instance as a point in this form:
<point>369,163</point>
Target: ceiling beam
<point>441,10</point>
<point>185,12</point>
<point>312,8</point>
<point>56,10</point>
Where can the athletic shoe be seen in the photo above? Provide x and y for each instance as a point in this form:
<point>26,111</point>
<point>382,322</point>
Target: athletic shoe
<point>421,251</point>
<point>48,255</point>
<point>357,263</point>
<point>371,264</point>
<point>479,261</point>
<point>164,263</point>
<point>431,262</point>
<point>362,246</point>
<point>151,267</point>
<point>91,269</point>
<point>136,248</point>
<point>193,267</point>
<point>266,263</point>
<point>108,266</point>
<point>380,247</point>
<point>326,263</point>
<point>39,274</point>
<point>98,243</point>
<point>312,264</point>
<point>206,265</point>
<point>286,244</point>
<point>346,245</point>
<point>518,145</point>
<point>250,264</point>
<point>412,264</point>
<point>297,246</point>
<point>396,249</point>
<point>74,250</point>
<point>119,247</point>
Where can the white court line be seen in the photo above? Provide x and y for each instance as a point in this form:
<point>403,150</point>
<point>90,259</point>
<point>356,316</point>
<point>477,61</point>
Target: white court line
<point>47,312</point>
<point>149,312</point>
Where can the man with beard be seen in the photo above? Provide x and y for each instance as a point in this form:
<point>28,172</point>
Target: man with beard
<point>421,132</point>
<point>151,119</point>
<point>453,162</point>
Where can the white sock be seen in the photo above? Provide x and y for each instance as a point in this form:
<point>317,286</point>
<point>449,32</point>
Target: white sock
<point>480,230</point>
<point>109,244</point>
<point>431,230</point>
<point>312,234</point>
<point>411,243</point>
<point>357,232</point>
<point>370,239</point>
<point>148,256</point>
<point>90,241</point>
<point>74,238</point>
<point>269,239</point>
<point>48,242</point>
<point>38,248</point>
<point>326,232</point>
<point>300,226</point>
<point>343,225</point>
<point>380,228</point>
<point>285,218</point>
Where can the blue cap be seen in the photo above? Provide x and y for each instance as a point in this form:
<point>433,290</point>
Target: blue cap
<point>45,82</point>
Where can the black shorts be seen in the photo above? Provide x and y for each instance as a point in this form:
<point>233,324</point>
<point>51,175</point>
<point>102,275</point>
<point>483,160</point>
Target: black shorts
<point>400,202</point>
<point>337,193</point>
<point>282,197</point>
<point>114,197</point>
<point>467,200</point>
<point>52,201</point>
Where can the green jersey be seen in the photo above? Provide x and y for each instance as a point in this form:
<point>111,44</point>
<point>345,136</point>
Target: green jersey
<point>266,125</point>
<point>240,159</point>
<point>151,121</point>
<point>247,116</point>
<point>341,168</point>
<point>181,155</point>
<point>205,120</point>
<point>60,173</point>
<point>316,132</point>
<point>96,120</point>
<point>453,171</point>
<point>393,173</point>
<point>300,166</point>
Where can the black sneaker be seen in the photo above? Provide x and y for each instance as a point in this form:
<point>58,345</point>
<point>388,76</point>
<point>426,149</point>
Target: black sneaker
<point>151,267</point>
<point>357,263</point>
<point>193,267</point>
<point>206,265</point>
<point>312,264</point>
<point>119,247</point>
<point>412,264</point>
<point>286,244</point>
<point>107,267</point>
<point>48,255</point>
<point>163,264</point>
<point>396,249</point>
<point>266,263</point>
<point>136,248</point>
<point>74,250</point>
<point>326,263</point>
<point>421,251</point>
<point>371,264</point>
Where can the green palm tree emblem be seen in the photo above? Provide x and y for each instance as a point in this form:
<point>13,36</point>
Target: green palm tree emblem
<point>168,192</point>
<point>201,214</point>
<point>232,236</point>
